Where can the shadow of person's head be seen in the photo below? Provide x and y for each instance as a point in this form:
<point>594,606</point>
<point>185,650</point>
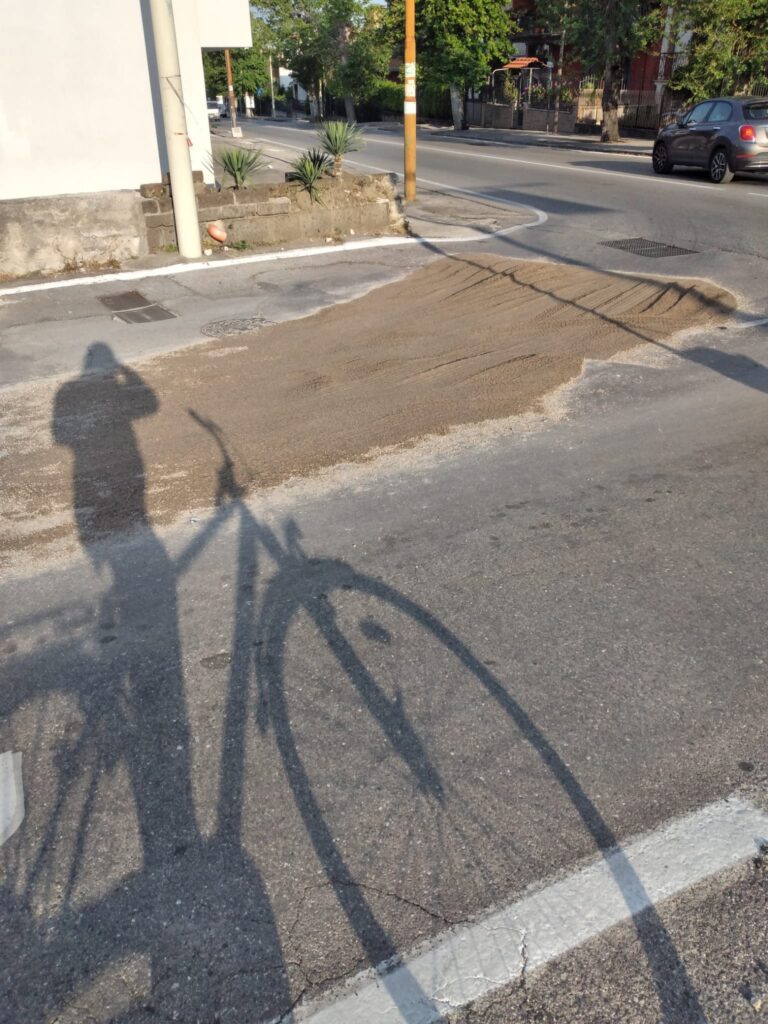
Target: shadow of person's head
<point>99,358</point>
<point>93,416</point>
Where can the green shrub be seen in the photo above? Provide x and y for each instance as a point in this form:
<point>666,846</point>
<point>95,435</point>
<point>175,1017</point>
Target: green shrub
<point>337,138</point>
<point>240,163</point>
<point>308,169</point>
<point>388,98</point>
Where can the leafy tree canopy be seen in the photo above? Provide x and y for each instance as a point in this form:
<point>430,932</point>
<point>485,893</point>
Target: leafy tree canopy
<point>728,48</point>
<point>249,66</point>
<point>458,41</point>
<point>604,36</point>
<point>340,42</point>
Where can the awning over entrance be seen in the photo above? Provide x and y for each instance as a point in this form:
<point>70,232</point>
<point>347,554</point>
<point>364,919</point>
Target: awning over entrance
<point>522,63</point>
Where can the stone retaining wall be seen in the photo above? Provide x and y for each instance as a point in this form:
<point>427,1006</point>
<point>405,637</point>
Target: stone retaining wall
<point>54,234</point>
<point>49,234</point>
<point>276,213</point>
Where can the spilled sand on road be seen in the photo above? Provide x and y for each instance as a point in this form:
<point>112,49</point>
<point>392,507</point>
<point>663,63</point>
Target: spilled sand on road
<point>465,339</point>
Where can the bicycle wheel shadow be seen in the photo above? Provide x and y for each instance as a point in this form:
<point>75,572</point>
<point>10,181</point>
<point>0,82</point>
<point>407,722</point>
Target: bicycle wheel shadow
<point>312,588</point>
<point>195,909</point>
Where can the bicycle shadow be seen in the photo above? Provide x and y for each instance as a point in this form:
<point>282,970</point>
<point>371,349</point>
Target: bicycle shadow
<point>195,907</point>
<point>308,584</point>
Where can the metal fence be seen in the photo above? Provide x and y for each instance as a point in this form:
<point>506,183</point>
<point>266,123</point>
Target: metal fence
<point>529,101</point>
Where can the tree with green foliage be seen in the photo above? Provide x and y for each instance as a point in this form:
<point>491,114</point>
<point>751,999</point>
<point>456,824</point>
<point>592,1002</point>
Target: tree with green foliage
<point>728,51</point>
<point>296,26</point>
<point>364,56</point>
<point>458,43</point>
<point>249,66</point>
<point>604,37</point>
<point>338,45</point>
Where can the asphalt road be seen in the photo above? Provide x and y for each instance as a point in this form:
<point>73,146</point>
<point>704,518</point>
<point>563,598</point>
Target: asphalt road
<point>594,196</point>
<point>300,734</point>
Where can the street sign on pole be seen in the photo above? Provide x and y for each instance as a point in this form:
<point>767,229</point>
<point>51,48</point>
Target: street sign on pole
<point>409,109</point>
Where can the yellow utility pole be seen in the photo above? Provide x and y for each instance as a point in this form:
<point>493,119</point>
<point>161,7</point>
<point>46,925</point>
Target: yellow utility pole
<point>409,110</point>
<point>231,97</point>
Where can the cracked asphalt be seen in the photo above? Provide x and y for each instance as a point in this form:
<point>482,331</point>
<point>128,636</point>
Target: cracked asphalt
<point>303,731</point>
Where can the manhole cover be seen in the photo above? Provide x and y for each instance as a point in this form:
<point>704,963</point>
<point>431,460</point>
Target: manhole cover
<point>242,325</point>
<point>645,247</point>
<point>135,308</point>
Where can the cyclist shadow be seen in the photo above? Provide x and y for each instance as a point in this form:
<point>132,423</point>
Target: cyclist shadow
<point>195,910</point>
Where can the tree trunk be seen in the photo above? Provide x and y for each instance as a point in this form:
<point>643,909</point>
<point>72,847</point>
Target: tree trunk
<point>611,99</point>
<point>559,90</point>
<point>314,104</point>
<point>457,107</point>
<point>349,106</point>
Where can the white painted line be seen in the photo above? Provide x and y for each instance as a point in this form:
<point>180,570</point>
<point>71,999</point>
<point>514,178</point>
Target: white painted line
<point>760,195</point>
<point>295,254</point>
<point>472,961</point>
<point>649,179</point>
<point>185,268</point>
<point>11,795</point>
<point>745,324</point>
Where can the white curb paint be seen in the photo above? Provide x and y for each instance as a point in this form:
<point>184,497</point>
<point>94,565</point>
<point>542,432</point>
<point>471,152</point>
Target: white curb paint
<point>293,254</point>
<point>11,795</point>
<point>474,960</point>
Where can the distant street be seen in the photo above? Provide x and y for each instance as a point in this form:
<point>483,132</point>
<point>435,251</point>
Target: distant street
<point>318,652</point>
<point>590,196</point>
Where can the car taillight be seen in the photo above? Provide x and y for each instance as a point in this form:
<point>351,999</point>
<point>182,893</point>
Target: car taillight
<point>747,133</point>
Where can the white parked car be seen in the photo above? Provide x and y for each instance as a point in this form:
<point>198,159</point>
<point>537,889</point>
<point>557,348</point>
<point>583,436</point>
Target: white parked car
<point>214,110</point>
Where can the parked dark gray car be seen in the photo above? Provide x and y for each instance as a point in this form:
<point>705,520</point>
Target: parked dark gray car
<point>726,135</point>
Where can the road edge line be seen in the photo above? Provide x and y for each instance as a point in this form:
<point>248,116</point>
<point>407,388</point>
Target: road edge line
<point>471,961</point>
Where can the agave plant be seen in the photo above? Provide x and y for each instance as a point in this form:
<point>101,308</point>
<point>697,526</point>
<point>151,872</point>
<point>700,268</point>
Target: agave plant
<point>337,138</point>
<point>240,163</point>
<point>308,169</point>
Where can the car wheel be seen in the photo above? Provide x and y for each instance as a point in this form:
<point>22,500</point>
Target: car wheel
<point>719,170</point>
<point>661,162</point>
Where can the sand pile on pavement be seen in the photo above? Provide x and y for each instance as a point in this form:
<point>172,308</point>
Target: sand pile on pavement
<point>465,339</point>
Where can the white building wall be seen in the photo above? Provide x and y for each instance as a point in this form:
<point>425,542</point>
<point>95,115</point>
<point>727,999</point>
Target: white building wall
<point>92,121</point>
<point>185,14</point>
<point>86,123</point>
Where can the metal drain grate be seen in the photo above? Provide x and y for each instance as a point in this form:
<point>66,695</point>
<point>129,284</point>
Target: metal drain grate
<point>645,247</point>
<point>135,308</point>
<point>225,328</point>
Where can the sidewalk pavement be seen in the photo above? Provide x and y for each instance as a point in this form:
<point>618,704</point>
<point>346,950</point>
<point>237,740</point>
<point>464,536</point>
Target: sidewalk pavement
<point>517,137</point>
<point>445,215</point>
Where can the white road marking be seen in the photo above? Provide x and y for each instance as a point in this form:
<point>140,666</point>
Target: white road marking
<point>539,164</point>
<point>745,324</point>
<point>474,960</point>
<point>11,795</point>
<point>295,254</point>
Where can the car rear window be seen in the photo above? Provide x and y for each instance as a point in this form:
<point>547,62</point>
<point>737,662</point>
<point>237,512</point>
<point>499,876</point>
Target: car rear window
<point>756,111</point>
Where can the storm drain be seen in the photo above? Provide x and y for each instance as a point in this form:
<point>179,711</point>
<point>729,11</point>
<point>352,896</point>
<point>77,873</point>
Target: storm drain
<point>645,247</point>
<point>135,308</point>
<point>226,328</point>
